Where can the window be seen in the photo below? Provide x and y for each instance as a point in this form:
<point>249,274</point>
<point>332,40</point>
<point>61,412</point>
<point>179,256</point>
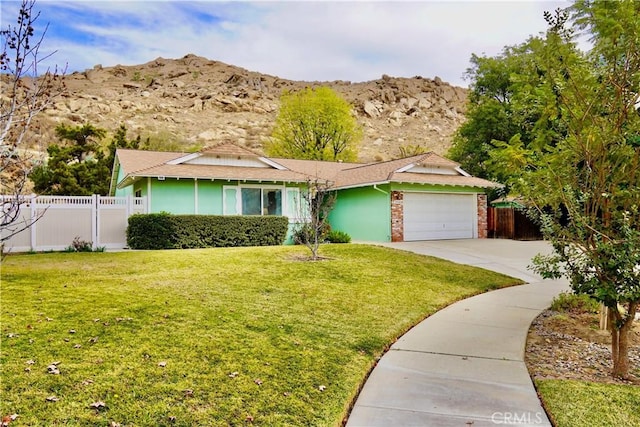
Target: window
<point>138,193</point>
<point>271,202</point>
<point>252,201</point>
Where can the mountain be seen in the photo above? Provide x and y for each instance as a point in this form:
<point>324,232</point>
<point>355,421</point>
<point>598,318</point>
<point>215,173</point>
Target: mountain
<point>194,102</point>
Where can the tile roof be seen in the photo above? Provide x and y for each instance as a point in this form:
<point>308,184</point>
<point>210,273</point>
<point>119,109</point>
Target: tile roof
<point>136,160</point>
<point>137,164</point>
<point>432,159</point>
<point>313,168</point>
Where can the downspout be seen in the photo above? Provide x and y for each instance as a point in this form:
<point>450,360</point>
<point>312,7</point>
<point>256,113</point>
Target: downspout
<point>375,187</point>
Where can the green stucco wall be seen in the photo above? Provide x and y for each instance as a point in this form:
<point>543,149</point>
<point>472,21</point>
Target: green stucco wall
<point>176,196</point>
<point>123,192</point>
<point>363,213</point>
<point>209,198</point>
<point>142,186</point>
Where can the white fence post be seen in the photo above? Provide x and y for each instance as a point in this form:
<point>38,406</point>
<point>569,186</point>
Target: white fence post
<point>33,222</point>
<point>94,220</point>
<point>130,202</point>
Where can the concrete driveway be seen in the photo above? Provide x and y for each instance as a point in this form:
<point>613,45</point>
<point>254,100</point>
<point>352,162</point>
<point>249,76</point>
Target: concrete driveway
<point>464,365</point>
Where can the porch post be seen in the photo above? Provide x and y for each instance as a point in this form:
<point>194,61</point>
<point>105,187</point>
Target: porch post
<point>195,198</point>
<point>148,194</point>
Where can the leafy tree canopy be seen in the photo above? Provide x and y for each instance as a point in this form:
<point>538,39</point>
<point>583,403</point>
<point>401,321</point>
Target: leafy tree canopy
<point>315,124</point>
<point>582,174</point>
<point>78,166</point>
<point>509,103</point>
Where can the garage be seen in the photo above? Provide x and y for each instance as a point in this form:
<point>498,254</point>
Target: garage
<point>439,216</point>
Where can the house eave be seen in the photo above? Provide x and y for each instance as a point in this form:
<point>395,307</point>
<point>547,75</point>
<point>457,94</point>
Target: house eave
<point>462,171</point>
<point>113,183</point>
<point>365,184</point>
<point>272,163</point>
<point>131,179</point>
<point>183,159</point>
<point>442,184</point>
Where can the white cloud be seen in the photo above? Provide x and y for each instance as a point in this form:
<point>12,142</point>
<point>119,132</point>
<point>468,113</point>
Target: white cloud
<point>354,41</point>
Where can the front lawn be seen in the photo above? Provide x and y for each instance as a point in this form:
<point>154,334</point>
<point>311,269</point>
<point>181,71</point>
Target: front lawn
<point>581,403</point>
<point>215,337</point>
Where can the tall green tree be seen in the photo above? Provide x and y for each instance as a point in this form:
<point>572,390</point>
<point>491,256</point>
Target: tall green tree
<point>75,167</point>
<point>585,187</point>
<point>120,140</point>
<point>315,124</point>
<point>509,104</point>
<point>79,166</point>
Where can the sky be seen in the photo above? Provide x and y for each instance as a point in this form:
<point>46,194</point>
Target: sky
<point>299,40</point>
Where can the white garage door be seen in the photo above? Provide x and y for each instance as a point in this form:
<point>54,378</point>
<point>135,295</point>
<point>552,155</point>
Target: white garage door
<point>434,216</point>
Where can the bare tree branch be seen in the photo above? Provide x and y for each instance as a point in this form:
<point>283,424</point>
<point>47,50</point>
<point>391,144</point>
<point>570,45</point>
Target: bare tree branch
<point>24,93</point>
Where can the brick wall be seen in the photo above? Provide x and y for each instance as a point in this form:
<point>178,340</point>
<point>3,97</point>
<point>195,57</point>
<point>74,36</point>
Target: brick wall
<point>482,216</point>
<point>397,216</point>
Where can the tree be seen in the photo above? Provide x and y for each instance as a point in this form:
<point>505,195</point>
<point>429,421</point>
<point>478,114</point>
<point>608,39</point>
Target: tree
<point>120,140</point>
<point>79,166</point>
<point>25,93</point>
<point>317,203</point>
<point>585,188</point>
<point>315,124</point>
<point>76,167</point>
<point>508,104</point>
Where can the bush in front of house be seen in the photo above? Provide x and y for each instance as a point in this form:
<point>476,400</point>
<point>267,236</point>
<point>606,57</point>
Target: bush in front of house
<point>166,231</point>
<point>151,231</point>
<point>337,236</point>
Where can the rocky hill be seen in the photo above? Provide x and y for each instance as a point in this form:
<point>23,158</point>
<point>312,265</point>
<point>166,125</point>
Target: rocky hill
<point>195,102</point>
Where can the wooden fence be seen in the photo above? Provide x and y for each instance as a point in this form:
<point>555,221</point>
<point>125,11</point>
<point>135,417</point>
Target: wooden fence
<point>53,222</point>
<point>510,223</point>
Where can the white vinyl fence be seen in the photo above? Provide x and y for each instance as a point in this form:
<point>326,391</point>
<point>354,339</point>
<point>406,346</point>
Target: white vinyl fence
<point>53,222</point>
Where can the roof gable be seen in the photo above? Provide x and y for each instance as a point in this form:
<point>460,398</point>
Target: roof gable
<point>431,163</point>
<point>229,149</point>
<point>226,154</point>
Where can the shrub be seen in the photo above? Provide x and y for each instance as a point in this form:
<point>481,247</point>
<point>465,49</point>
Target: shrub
<point>574,303</point>
<point>165,231</point>
<point>303,230</point>
<point>78,245</point>
<point>337,236</point>
<point>150,231</point>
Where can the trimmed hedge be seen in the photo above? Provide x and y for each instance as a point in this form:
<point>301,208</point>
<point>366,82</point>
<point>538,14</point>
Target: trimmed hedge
<point>167,231</point>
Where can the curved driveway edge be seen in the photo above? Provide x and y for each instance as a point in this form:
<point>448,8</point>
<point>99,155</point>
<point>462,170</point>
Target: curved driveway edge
<point>464,365</point>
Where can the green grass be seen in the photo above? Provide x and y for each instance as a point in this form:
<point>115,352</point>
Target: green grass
<point>580,403</point>
<point>285,326</point>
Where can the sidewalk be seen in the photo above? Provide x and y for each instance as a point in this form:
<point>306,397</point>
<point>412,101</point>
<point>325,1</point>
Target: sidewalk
<point>464,365</point>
